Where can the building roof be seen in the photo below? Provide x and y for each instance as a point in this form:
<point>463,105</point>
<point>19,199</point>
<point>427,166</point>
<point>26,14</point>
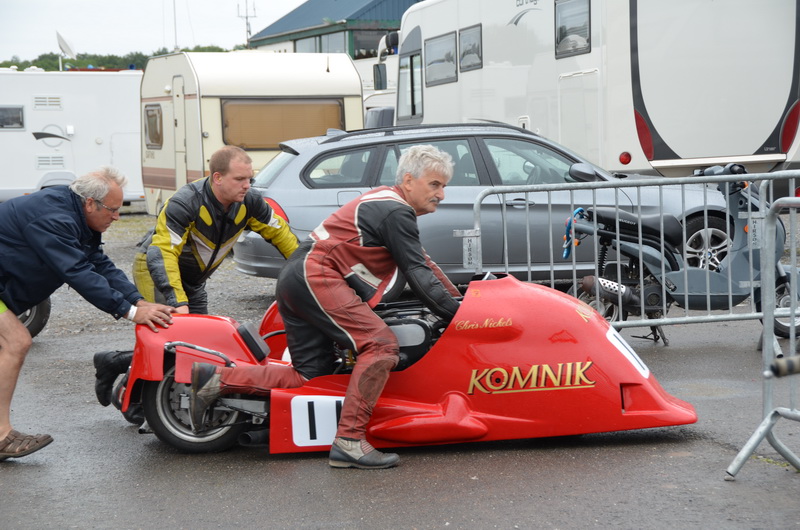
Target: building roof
<point>318,13</point>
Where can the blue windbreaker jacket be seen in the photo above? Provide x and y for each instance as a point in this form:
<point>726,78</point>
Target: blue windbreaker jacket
<point>45,243</point>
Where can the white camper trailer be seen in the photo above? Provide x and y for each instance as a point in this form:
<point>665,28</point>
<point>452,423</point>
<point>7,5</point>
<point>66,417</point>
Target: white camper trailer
<point>56,126</point>
<point>194,103</point>
<point>633,85</point>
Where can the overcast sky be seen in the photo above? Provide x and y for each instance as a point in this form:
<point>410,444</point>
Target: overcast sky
<point>118,27</point>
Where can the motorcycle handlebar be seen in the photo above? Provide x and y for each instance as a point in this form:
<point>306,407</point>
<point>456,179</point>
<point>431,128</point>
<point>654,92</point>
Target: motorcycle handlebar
<point>729,169</point>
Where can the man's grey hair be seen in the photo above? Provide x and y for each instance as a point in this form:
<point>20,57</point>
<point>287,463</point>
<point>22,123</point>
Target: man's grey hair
<point>97,183</point>
<point>421,158</point>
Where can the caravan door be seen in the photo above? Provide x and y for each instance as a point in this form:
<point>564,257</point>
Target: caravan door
<point>179,131</point>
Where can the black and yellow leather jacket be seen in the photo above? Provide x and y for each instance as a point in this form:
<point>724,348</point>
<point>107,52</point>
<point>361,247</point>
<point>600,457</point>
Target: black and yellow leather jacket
<point>194,233</point>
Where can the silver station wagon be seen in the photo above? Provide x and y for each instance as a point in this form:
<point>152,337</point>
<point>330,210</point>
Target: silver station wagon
<point>312,177</point>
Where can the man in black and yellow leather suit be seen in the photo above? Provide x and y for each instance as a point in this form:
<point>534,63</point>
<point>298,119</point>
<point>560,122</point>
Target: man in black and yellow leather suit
<point>195,230</point>
<point>198,227</point>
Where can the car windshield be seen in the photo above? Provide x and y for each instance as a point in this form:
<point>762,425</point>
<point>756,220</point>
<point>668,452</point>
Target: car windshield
<point>273,168</point>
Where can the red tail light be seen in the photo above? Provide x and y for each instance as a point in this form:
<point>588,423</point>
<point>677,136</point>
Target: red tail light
<point>645,137</point>
<point>625,158</point>
<point>789,127</point>
<point>277,209</point>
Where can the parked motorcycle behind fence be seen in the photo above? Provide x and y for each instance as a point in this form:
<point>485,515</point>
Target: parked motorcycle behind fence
<point>653,274</point>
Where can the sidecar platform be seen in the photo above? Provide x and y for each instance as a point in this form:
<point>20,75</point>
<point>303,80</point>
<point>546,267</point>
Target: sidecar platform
<point>518,361</point>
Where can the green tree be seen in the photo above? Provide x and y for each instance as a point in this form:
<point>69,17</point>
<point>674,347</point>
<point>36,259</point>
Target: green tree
<point>135,60</point>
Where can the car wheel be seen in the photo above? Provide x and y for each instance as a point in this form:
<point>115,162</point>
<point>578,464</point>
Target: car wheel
<point>706,245</point>
<point>36,317</point>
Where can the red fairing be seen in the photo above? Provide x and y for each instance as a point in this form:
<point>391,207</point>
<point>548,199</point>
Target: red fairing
<point>212,332</point>
<point>518,361</point>
<point>269,323</point>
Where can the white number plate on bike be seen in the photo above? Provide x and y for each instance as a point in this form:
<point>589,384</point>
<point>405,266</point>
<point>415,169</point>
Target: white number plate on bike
<point>314,419</point>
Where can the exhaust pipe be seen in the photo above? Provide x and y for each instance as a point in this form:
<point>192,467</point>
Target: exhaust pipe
<point>257,438</point>
<point>612,292</point>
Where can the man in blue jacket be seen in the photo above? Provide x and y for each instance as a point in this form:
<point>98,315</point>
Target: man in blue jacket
<point>194,231</point>
<point>47,239</point>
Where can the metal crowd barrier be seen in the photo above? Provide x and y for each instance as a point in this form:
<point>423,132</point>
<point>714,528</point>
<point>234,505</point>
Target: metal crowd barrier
<point>762,223</point>
<point>521,197</point>
<point>771,350</point>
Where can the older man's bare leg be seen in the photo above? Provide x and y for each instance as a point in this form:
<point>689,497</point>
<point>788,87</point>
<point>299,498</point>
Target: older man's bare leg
<point>15,341</point>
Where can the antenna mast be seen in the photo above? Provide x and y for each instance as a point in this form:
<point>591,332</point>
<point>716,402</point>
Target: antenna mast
<point>175,25</point>
<point>246,18</point>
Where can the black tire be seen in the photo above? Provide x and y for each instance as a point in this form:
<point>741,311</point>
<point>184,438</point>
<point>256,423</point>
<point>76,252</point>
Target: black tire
<point>36,317</point>
<point>706,245</point>
<point>170,422</point>
<point>783,299</point>
<point>395,289</point>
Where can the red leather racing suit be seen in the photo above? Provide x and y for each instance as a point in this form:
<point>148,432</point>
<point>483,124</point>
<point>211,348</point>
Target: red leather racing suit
<point>328,288</point>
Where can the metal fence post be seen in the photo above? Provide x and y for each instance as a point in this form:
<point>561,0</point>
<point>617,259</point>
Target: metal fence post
<point>770,351</point>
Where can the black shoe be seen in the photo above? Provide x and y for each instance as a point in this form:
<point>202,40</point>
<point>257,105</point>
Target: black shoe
<point>134,414</point>
<point>206,388</point>
<point>108,365</point>
<point>360,454</point>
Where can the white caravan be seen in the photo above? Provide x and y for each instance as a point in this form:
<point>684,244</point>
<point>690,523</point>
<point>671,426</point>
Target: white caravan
<point>56,126</point>
<point>634,85</point>
<point>193,103</point>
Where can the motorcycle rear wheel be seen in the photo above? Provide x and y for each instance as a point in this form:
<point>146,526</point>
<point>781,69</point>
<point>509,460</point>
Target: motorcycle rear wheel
<point>165,405</point>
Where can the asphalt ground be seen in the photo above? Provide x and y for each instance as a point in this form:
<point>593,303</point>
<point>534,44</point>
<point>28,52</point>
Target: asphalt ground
<point>100,473</point>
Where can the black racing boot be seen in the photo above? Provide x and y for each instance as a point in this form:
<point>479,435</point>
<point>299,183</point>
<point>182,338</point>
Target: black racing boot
<point>109,365</point>
<point>135,412</point>
<point>346,452</point>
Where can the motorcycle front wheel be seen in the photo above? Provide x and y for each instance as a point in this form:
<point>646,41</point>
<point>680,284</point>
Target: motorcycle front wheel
<point>166,408</point>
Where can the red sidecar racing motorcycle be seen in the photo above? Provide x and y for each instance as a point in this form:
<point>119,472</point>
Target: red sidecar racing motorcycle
<point>519,360</point>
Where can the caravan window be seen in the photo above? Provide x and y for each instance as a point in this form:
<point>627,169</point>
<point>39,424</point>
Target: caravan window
<point>153,127</point>
<point>573,28</point>
<point>440,60</point>
<point>11,117</point>
<point>470,49</point>
<point>265,123</point>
